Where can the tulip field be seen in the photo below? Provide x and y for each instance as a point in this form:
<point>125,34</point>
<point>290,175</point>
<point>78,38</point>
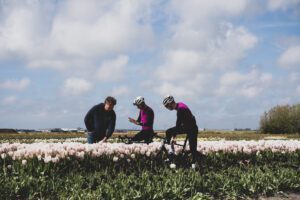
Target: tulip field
<point>72,169</point>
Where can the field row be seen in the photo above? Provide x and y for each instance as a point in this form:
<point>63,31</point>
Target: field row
<point>55,152</point>
<point>202,136</point>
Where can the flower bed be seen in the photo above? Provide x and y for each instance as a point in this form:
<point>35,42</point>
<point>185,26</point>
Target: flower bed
<point>229,169</point>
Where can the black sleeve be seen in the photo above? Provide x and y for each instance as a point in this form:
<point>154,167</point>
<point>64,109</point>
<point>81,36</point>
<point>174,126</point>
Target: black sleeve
<point>89,119</point>
<point>150,117</point>
<point>179,119</point>
<point>111,126</point>
<point>139,118</point>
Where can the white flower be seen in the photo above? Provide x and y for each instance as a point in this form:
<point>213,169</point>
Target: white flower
<point>9,166</point>
<point>172,166</point>
<point>148,153</point>
<point>10,153</point>
<point>193,166</point>
<point>115,158</point>
<point>24,162</point>
<point>3,156</point>
<point>132,156</point>
<point>128,160</point>
<point>55,160</point>
<point>47,159</point>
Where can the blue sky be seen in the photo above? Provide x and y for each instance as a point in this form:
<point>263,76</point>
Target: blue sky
<point>229,61</point>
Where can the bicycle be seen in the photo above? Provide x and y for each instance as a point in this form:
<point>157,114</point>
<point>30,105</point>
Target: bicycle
<point>182,157</point>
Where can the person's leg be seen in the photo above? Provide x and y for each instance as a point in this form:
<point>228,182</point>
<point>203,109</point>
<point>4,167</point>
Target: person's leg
<point>139,136</point>
<point>143,135</point>
<point>192,135</point>
<point>170,133</point>
<point>149,136</point>
<point>90,137</point>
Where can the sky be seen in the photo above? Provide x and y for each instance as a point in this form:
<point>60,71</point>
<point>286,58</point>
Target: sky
<point>228,61</point>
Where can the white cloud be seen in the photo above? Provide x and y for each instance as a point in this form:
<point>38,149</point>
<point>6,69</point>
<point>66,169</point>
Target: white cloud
<point>195,11</point>
<point>167,88</point>
<point>15,84</point>
<point>45,63</point>
<point>9,100</point>
<point>18,32</point>
<point>113,70</point>
<point>201,47</point>
<point>52,35</point>
<point>120,91</point>
<point>248,85</point>
<point>290,58</point>
<point>283,4</point>
<point>76,86</point>
<point>194,68</point>
<point>179,64</point>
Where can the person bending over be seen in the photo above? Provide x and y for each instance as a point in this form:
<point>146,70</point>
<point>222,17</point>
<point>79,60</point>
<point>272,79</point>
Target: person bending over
<point>185,123</point>
<point>100,121</point>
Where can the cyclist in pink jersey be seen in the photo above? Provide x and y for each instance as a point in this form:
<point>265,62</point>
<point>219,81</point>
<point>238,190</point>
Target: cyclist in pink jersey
<point>185,123</point>
<point>145,119</point>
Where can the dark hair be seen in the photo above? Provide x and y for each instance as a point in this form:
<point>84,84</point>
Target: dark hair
<point>111,100</point>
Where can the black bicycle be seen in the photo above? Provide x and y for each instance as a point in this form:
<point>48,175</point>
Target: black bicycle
<point>182,158</point>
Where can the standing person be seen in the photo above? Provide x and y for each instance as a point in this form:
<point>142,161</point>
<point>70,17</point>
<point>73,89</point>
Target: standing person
<point>145,119</point>
<point>100,121</point>
<point>186,123</point>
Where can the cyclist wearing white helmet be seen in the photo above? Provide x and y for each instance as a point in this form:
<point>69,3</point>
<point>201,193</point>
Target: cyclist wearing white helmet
<point>145,119</point>
<point>186,123</point>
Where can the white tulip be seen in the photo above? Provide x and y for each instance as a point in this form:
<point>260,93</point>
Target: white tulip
<point>3,156</point>
<point>172,166</point>
<point>132,156</point>
<point>24,162</point>
<point>115,158</point>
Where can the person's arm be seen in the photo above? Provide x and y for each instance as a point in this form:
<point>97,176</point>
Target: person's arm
<point>179,119</point>
<point>89,119</point>
<point>139,118</point>
<point>111,126</point>
<point>136,122</point>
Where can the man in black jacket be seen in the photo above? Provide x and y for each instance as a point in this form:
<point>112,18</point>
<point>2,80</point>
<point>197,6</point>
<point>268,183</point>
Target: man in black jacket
<point>100,121</point>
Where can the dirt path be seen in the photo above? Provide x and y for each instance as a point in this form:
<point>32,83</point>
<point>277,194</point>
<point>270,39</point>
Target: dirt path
<point>286,196</point>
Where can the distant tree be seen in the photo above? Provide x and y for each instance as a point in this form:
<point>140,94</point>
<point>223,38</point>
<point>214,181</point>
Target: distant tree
<point>295,115</point>
<point>281,119</point>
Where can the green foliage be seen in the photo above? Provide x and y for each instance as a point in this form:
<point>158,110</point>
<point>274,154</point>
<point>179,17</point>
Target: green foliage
<point>220,176</point>
<point>281,119</point>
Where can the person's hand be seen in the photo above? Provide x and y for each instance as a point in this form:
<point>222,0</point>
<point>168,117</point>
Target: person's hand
<point>132,120</point>
<point>173,140</point>
<point>104,140</point>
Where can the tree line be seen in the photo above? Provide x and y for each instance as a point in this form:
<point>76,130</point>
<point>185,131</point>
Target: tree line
<point>281,119</point>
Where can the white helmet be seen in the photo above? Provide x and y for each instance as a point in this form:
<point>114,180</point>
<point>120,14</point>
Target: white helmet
<point>168,99</point>
<point>139,100</point>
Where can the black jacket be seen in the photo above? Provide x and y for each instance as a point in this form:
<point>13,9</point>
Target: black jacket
<point>185,119</point>
<point>100,121</point>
